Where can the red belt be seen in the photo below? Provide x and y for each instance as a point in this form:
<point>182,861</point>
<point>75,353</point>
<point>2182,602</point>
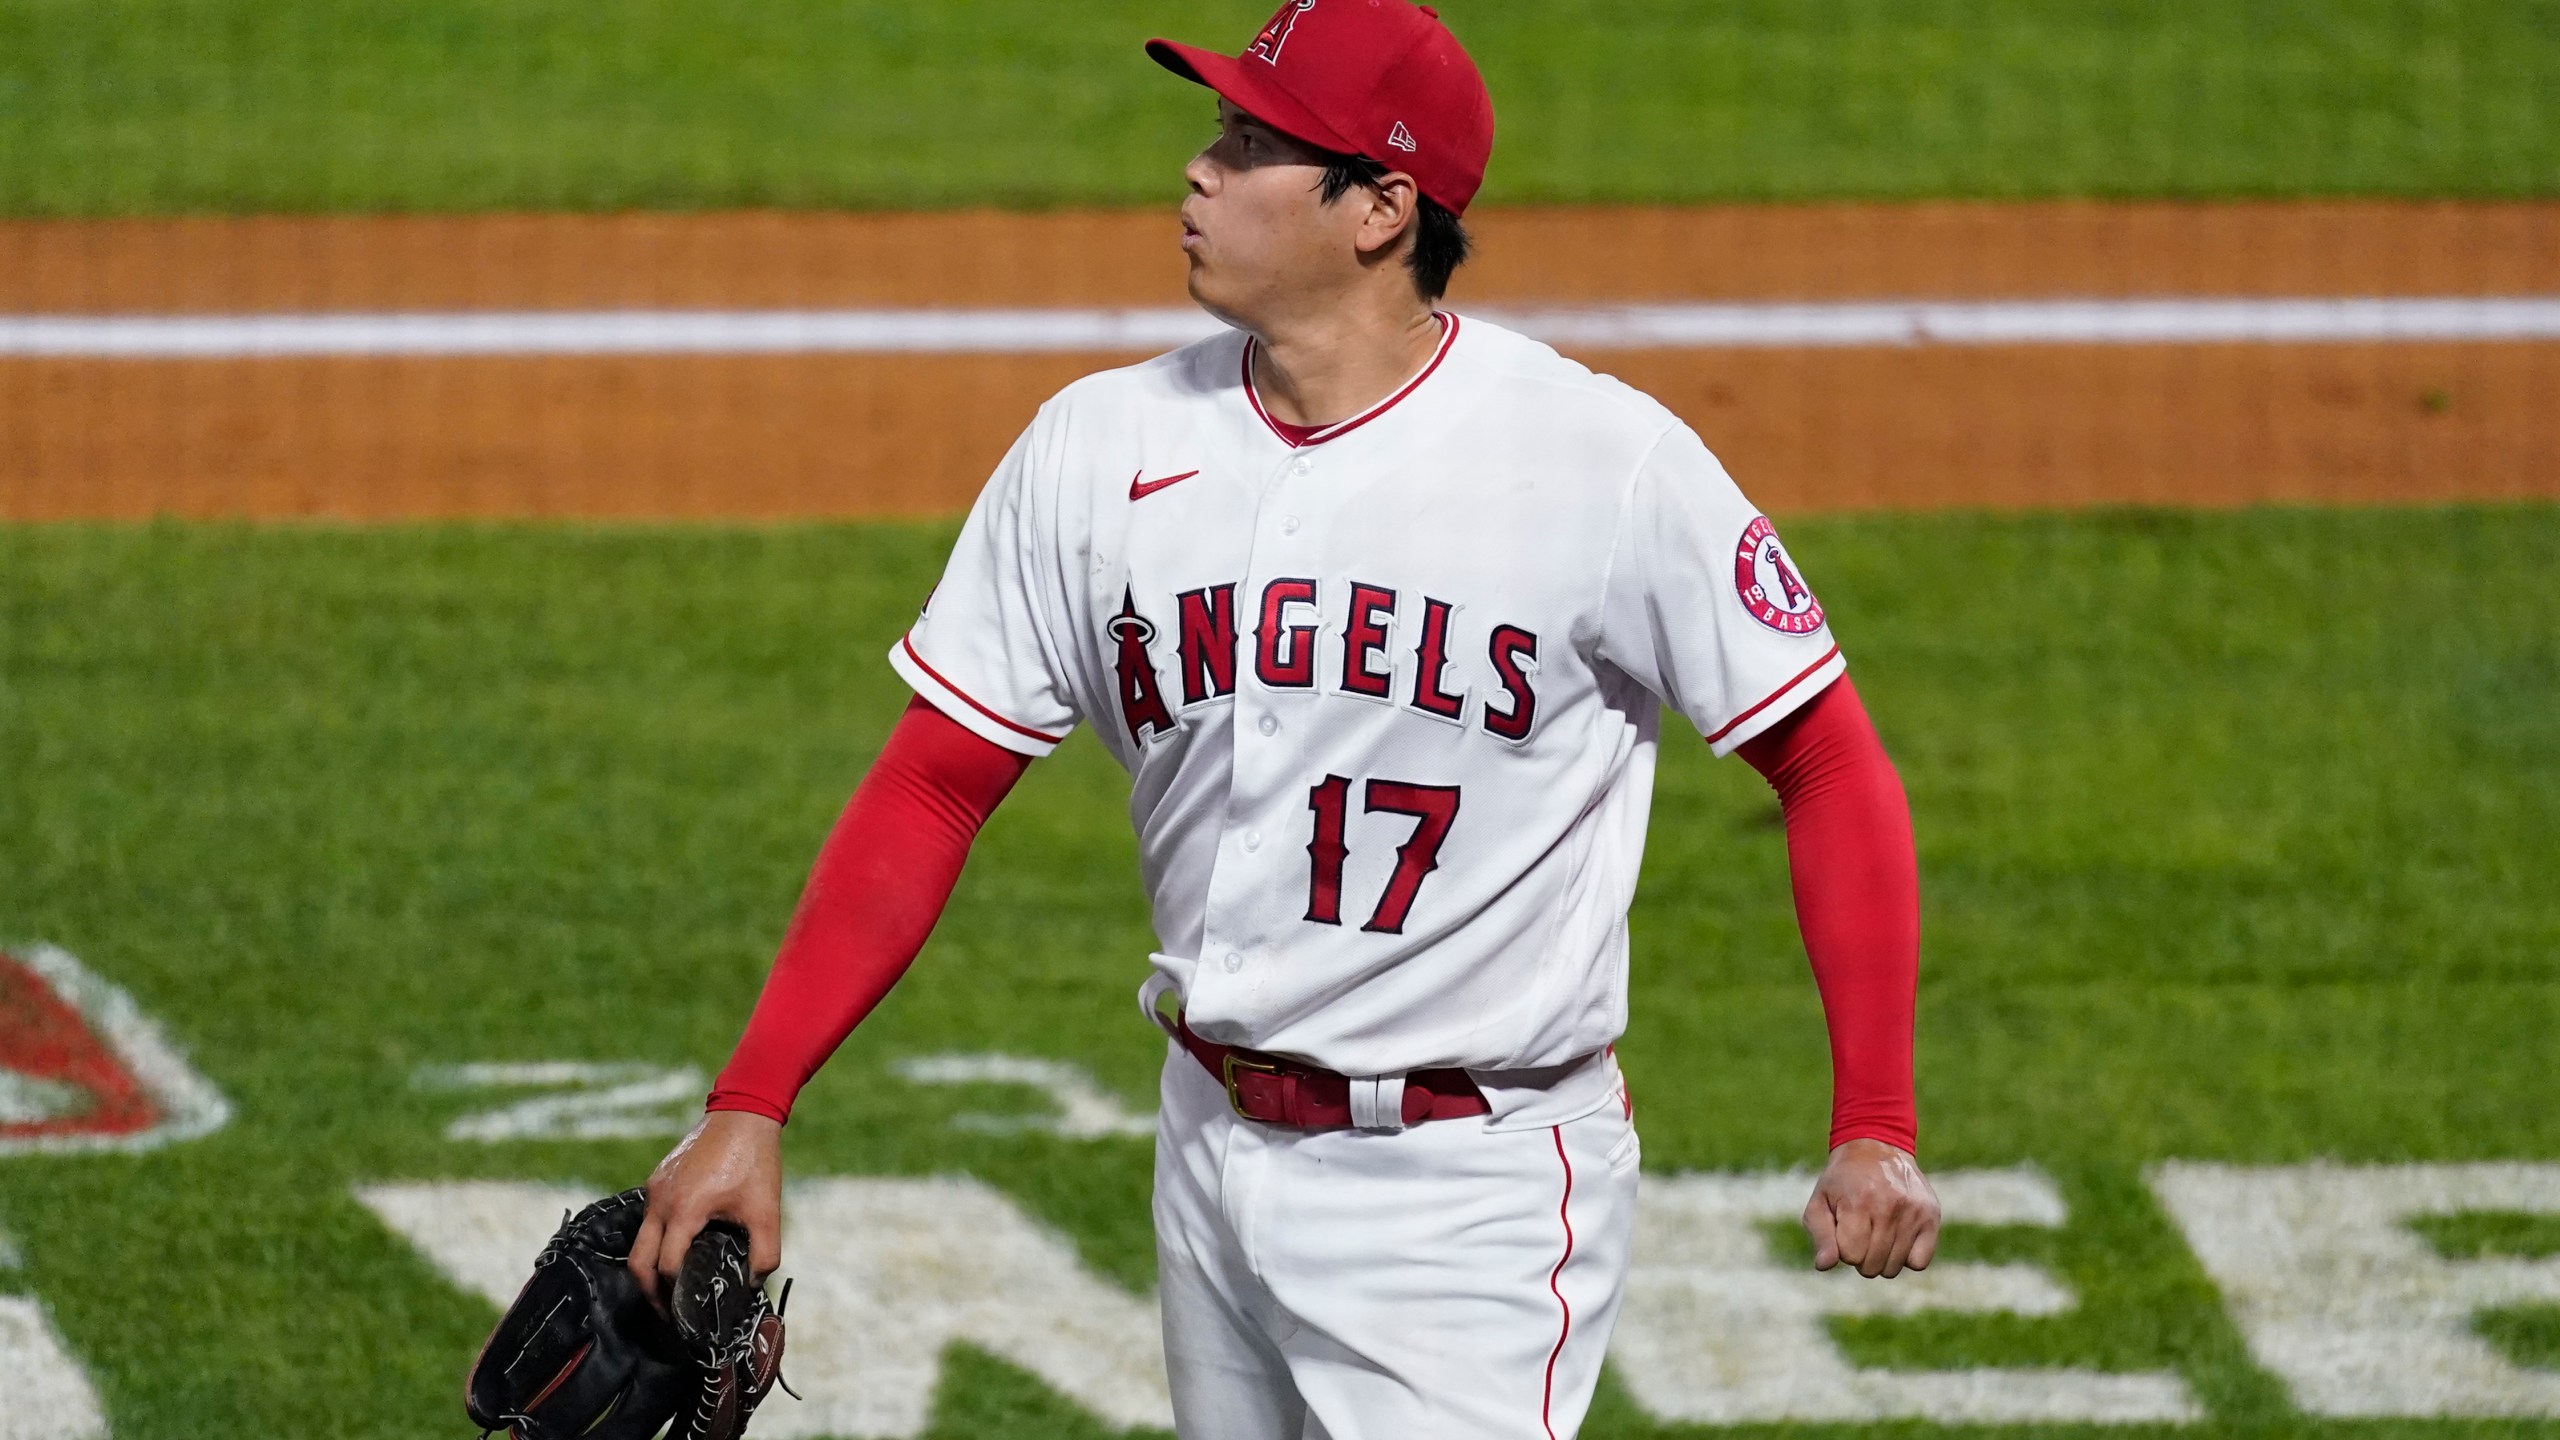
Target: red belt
<point>1276,1090</point>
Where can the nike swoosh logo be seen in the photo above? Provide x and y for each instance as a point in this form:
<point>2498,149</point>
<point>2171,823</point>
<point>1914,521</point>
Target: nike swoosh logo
<point>1141,489</point>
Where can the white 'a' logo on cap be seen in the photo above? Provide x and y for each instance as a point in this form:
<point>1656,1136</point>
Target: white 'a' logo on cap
<point>1276,34</point>
<point>1402,139</point>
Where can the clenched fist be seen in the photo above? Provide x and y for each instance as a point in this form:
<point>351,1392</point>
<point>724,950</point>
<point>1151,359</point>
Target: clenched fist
<point>1872,1210</point>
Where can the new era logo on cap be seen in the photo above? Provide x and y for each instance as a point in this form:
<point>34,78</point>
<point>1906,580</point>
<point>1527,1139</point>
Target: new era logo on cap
<point>1360,77</point>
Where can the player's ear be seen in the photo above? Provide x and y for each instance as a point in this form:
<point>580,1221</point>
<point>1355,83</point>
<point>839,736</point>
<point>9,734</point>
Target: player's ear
<point>1395,206</point>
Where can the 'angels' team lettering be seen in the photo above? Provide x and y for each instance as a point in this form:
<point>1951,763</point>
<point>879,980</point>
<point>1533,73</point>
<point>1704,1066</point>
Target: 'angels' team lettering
<point>1374,664</point>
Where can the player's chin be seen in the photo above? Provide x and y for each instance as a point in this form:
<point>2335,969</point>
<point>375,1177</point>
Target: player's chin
<point>1204,288</point>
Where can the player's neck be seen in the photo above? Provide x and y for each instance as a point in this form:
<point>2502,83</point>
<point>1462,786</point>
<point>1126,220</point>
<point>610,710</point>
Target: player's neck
<point>1328,368</point>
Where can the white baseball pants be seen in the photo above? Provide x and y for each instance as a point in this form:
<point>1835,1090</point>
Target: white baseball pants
<point>1445,1280</point>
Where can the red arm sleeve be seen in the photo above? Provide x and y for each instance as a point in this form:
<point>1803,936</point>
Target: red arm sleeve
<point>877,888</point>
<point>1857,892</point>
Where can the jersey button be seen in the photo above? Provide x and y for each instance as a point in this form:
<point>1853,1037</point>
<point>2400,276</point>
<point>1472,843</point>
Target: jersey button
<point>1235,962</point>
<point>1301,465</point>
<point>1270,725</point>
<point>1288,524</point>
<point>1252,840</point>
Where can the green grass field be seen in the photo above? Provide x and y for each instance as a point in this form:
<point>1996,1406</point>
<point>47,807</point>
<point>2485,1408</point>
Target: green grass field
<point>154,106</point>
<point>2237,838</point>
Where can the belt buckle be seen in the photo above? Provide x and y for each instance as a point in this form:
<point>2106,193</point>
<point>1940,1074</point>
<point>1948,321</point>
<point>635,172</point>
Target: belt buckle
<point>1228,1065</point>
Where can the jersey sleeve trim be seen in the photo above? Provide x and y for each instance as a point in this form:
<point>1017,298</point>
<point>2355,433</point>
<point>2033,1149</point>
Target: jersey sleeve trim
<point>957,703</point>
<point>1807,683</point>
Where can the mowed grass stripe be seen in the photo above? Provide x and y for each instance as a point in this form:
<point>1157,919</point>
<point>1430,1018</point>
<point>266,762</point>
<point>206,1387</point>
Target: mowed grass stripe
<point>2236,834</point>
<point>246,106</point>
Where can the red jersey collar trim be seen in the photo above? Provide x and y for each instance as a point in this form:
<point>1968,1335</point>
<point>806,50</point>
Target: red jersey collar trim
<point>1448,338</point>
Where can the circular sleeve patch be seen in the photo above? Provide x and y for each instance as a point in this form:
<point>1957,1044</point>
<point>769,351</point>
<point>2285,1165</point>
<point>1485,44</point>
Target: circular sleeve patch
<point>1765,576</point>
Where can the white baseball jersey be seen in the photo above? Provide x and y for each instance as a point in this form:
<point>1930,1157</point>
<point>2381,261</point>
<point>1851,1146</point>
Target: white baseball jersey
<point>1389,699</point>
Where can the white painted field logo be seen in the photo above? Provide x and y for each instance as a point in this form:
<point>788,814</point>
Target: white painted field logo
<point>1765,576</point>
<point>82,1068</point>
<point>2335,1294</point>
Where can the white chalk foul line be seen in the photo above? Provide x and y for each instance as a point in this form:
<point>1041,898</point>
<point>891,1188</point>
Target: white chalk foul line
<point>619,332</point>
<point>1038,331</point>
<point>2045,322</point>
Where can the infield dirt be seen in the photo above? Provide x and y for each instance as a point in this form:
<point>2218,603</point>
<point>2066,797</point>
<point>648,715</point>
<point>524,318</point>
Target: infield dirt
<point>849,435</point>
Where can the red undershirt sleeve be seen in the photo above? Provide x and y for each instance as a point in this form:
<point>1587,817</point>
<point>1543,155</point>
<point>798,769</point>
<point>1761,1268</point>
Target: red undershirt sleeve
<point>1857,894</point>
<point>878,886</point>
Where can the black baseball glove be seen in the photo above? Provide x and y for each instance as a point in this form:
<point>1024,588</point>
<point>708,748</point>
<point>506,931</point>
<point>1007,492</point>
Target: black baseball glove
<point>582,1353</point>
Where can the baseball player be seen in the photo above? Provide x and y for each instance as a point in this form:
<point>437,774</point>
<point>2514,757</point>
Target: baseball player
<point>1379,606</point>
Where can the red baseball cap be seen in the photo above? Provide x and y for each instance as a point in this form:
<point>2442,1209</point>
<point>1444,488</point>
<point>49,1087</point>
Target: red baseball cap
<point>1381,79</point>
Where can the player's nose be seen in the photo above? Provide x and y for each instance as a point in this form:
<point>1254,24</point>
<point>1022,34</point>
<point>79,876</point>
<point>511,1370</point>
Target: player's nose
<point>1200,173</point>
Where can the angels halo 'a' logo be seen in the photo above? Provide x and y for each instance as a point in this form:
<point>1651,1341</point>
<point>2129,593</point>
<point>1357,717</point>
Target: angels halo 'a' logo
<point>1765,576</point>
<point>1141,697</point>
<point>1267,45</point>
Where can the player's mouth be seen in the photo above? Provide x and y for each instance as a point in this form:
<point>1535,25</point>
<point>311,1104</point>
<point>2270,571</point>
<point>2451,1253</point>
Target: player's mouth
<point>1190,236</point>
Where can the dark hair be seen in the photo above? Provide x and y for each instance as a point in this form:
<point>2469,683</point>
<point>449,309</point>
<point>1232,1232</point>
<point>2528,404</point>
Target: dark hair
<point>1439,242</point>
